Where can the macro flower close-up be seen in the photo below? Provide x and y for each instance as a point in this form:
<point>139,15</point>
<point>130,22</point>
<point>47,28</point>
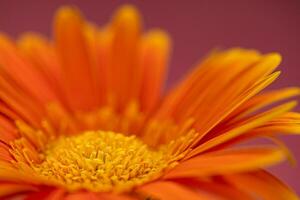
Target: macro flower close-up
<point>84,114</point>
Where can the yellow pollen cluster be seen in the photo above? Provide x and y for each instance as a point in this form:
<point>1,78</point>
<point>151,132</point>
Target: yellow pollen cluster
<point>100,161</point>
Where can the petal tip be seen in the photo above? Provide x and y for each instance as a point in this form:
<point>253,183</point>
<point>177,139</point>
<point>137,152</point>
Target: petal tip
<point>275,58</point>
<point>126,13</point>
<point>66,13</point>
<point>159,38</point>
<point>127,9</point>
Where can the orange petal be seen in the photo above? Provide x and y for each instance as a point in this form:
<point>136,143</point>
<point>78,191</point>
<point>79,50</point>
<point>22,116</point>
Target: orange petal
<point>153,59</point>
<point>22,72</point>
<point>99,76</point>
<point>263,185</point>
<point>216,186</point>
<point>45,194</point>
<point>81,196</point>
<point>208,130</point>
<point>125,30</point>
<point>8,173</point>
<point>11,188</point>
<point>288,123</point>
<point>227,162</point>
<point>111,196</point>
<point>199,82</point>
<point>199,96</point>
<point>223,105</point>
<point>24,105</point>
<point>43,57</point>
<point>8,130</point>
<point>5,154</point>
<point>166,190</point>
<point>73,53</point>
<point>56,195</point>
<point>103,72</point>
<point>262,100</point>
<point>243,127</point>
<point>8,112</point>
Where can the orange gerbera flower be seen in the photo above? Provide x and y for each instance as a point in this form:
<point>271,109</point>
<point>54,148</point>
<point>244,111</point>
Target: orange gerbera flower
<point>82,117</point>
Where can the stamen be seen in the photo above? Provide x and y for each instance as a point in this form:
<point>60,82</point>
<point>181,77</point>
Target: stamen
<point>100,161</point>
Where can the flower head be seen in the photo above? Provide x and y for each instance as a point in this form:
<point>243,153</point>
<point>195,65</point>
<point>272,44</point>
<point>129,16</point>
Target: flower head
<point>83,116</point>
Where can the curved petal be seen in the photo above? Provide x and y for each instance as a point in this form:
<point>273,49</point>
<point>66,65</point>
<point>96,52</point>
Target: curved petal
<point>13,188</point>
<point>216,186</point>
<point>72,51</point>
<point>243,127</point>
<point>82,196</point>
<point>47,194</point>
<point>43,57</point>
<point>166,190</point>
<point>126,28</point>
<point>263,185</point>
<point>263,100</point>
<point>201,97</point>
<point>153,58</point>
<point>5,154</point>
<point>10,174</point>
<point>227,162</point>
<point>22,72</point>
<point>111,196</point>
<point>19,101</point>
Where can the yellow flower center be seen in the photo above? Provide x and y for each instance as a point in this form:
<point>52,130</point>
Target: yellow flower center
<point>100,161</point>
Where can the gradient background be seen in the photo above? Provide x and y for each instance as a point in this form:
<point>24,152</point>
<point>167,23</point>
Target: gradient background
<point>196,26</point>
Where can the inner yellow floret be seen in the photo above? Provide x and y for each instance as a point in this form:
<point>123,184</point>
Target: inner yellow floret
<point>100,161</point>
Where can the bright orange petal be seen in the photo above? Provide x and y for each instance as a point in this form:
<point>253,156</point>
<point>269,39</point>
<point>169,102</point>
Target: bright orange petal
<point>10,174</point>
<point>8,130</point>
<point>153,59</point>
<point>82,196</point>
<point>204,77</point>
<point>94,47</point>
<point>5,154</point>
<point>111,196</point>
<point>22,72</point>
<point>103,72</point>
<point>227,162</point>
<point>126,28</point>
<point>12,188</point>
<point>57,194</point>
<point>76,64</point>
<point>45,194</point>
<point>166,190</point>
<point>199,95</point>
<point>8,112</point>
<point>263,100</point>
<point>243,127</point>
<point>25,106</point>
<point>216,186</point>
<point>43,57</point>
<point>288,123</point>
<point>263,185</point>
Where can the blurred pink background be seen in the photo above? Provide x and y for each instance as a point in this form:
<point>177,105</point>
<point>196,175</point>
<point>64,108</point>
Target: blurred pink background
<point>196,27</point>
